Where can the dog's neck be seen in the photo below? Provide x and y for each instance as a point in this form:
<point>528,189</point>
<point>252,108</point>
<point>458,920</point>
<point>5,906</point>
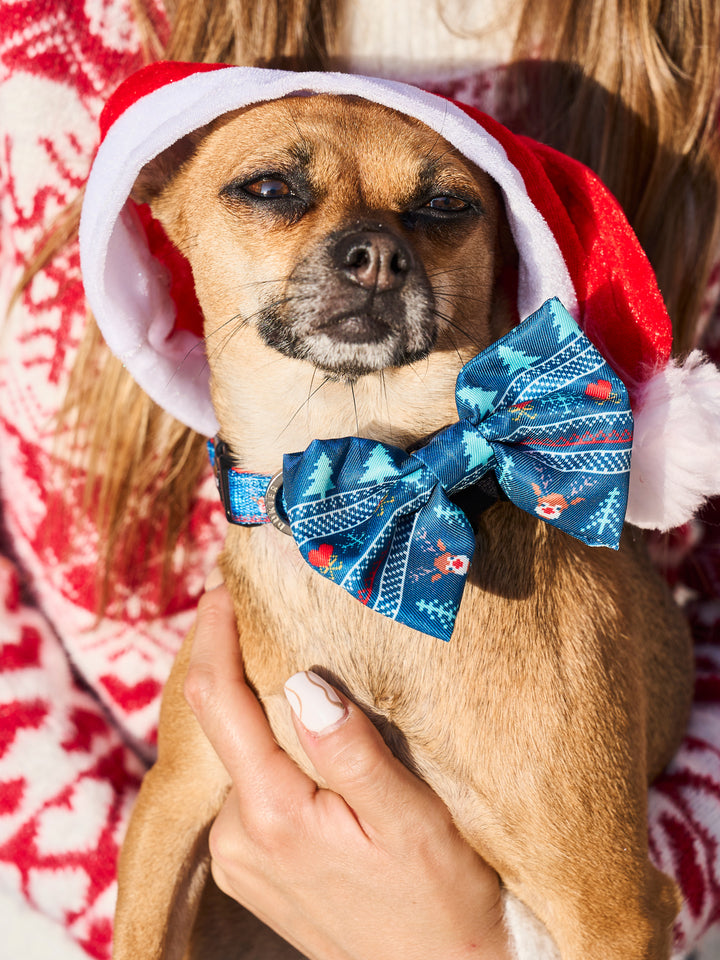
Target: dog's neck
<point>287,405</point>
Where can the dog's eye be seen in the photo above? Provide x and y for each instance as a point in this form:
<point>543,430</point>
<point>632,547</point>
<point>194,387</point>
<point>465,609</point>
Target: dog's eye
<point>268,188</point>
<point>448,204</point>
<point>267,195</point>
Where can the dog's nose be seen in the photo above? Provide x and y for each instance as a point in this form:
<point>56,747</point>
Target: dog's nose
<point>375,260</point>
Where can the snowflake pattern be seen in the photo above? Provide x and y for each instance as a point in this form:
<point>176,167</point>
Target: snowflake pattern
<point>608,516</point>
<point>64,750</point>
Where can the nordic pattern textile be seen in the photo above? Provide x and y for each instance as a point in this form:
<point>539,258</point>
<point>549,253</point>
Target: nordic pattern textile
<point>79,700</point>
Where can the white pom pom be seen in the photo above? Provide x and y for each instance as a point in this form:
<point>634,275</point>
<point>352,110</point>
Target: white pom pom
<point>676,446</point>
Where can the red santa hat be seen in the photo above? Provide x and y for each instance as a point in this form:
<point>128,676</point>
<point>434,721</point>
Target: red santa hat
<point>573,241</point>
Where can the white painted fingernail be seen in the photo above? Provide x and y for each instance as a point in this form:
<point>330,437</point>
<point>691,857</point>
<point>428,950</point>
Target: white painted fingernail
<point>314,702</point>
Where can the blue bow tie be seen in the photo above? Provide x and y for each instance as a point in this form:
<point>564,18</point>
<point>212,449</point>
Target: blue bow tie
<point>540,408</point>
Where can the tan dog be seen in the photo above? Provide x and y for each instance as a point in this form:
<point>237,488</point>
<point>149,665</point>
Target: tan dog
<point>348,261</point>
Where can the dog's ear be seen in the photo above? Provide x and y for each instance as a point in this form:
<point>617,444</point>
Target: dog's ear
<point>162,169</point>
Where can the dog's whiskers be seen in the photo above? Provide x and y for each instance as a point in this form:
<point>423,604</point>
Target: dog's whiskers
<point>413,367</point>
<point>436,158</point>
<point>203,342</point>
<point>383,383</point>
<point>245,321</point>
<point>456,326</point>
<point>354,400</point>
<point>454,296</point>
<point>222,326</point>
<point>193,240</point>
<point>456,349</point>
<point>305,403</point>
<point>229,329</point>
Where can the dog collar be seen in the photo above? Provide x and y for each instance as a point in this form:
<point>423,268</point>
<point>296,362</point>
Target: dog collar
<point>249,499</point>
<point>540,410</point>
<point>252,499</point>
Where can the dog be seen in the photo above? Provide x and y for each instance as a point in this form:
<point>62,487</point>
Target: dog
<point>348,262</point>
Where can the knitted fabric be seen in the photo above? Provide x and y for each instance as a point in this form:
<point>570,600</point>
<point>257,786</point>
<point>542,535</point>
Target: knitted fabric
<point>79,699</point>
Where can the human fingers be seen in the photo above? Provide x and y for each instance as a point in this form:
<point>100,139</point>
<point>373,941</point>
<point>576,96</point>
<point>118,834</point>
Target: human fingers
<point>354,761</point>
<point>378,828</point>
<point>228,710</point>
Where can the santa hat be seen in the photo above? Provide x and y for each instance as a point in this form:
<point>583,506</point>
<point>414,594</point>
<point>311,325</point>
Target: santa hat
<point>573,241</point>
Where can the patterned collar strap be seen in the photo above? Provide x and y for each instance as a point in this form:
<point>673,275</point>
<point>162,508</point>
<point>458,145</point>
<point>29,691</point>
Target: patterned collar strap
<point>540,408</point>
<point>243,494</point>
<point>251,499</point>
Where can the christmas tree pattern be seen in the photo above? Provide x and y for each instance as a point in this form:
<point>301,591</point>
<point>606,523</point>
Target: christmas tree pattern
<point>450,514</point>
<point>437,610</point>
<point>609,515</point>
<point>480,401</point>
<point>379,466</point>
<point>321,479</point>
<point>506,472</point>
<point>563,323</point>
<point>476,449</point>
<point>516,360</point>
<point>525,412</point>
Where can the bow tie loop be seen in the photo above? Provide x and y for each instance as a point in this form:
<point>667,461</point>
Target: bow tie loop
<point>371,526</point>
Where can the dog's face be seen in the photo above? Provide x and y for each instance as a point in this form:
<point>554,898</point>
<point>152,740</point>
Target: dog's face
<point>335,243</point>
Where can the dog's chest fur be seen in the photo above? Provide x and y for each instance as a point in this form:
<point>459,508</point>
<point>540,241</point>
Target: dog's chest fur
<point>536,645</point>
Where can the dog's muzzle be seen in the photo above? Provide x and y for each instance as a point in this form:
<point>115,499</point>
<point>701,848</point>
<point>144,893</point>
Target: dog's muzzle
<point>358,303</point>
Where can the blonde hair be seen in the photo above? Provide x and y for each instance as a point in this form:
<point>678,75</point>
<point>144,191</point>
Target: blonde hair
<point>292,34</point>
<point>629,87</point>
<point>632,88</point>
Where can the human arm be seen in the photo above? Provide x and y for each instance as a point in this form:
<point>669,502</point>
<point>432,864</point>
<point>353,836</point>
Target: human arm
<point>371,867</point>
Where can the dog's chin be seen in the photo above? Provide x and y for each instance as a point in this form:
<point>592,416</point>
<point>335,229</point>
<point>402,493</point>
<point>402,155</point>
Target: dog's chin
<point>348,346</point>
<point>349,360</point>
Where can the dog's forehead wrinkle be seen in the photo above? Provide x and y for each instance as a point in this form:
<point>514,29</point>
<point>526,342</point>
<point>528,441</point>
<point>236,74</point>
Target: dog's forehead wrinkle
<point>303,144</point>
<point>340,152</point>
<point>346,142</point>
<point>302,153</point>
<point>294,158</point>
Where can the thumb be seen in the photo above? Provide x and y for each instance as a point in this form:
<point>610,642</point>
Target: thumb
<point>350,755</point>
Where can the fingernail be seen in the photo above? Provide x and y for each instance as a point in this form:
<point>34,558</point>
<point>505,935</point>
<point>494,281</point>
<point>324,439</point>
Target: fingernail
<point>314,702</point>
<point>214,579</point>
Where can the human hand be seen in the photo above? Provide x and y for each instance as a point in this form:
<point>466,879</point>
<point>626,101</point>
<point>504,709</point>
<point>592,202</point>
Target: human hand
<point>370,868</point>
